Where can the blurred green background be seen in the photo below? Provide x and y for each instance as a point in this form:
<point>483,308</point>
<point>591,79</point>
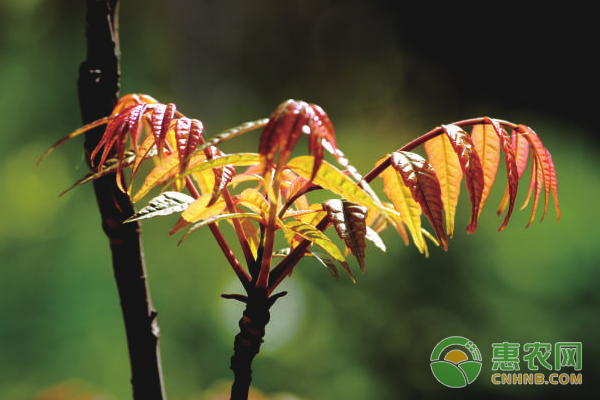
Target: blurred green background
<point>386,72</point>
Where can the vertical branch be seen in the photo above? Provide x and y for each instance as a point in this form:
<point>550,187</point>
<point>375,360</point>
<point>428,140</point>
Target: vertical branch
<point>247,343</point>
<point>98,88</point>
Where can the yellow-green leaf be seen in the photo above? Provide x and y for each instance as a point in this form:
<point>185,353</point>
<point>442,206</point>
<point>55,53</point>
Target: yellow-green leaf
<point>317,237</point>
<point>487,144</point>
<point>201,210</point>
<point>409,209</point>
<point>332,179</point>
<point>442,157</point>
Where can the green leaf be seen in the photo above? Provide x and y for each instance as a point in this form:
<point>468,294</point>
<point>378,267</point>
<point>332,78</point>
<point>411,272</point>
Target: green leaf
<point>166,203</point>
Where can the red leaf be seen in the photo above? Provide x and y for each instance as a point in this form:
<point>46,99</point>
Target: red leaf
<point>162,117</point>
<point>188,133</point>
<point>547,175</point>
<point>321,134</point>
<point>521,155</point>
<point>276,132</point>
<point>286,125</point>
<point>223,175</point>
<point>471,167</point>
<point>512,173</point>
<point>349,220</point>
<point>134,119</point>
<point>420,178</point>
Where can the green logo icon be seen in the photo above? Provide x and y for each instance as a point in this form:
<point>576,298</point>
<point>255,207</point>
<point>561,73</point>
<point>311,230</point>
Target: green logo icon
<point>456,362</point>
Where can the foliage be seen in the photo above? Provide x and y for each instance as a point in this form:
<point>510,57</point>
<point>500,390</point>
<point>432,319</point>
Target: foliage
<point>270,193</point>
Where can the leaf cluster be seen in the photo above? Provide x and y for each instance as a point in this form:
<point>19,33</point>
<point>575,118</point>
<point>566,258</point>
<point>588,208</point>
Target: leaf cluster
<point>268,193</point>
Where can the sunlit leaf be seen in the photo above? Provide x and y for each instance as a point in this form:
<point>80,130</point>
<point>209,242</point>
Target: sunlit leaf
<point>487,145</point>
<point>423,184</point>
<point>374,237</point>
<point>547,176</point>
<point>166,203</point>
<point>349,222</point>
<point>471,167</point>
<point>158,175</point>
<point>322,258</point>
<point>317,237</point>
<point>443,159</point>
<point>512,175</point>
<point>404,203</point>
<point>330,178</point>
<point>520,149</point>
<point>202,208</point>
<point>254,200</point>
<point>162,117</point>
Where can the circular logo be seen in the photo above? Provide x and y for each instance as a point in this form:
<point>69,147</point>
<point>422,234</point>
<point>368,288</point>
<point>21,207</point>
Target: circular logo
<point>456,362</point>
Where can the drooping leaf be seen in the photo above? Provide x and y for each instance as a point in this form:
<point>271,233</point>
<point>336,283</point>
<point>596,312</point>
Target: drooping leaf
<point>322,136</point>
<point>134,122</point>
<point>143,153</point>
<point>188,133</point>
<point>520,149</point>
<point>323,258</point>
<point>374,237</point>
<point>547,175</point>
<point>166,203</point>
<point>109,167</point>
<point>471,167</point>
<point>317,237</point>
<point>162,117</point>
<point>512,173</point>
<point>442,158</point>
<point>222,175</point>
<point>487,145</point>
<point>404,203</point>
<point>349,222</point>
<point>393,218</point>
<point>70,136</point>
<point>327,261</point>
<point>423,184</point>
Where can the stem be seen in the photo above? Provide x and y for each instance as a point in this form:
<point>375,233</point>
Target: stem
<point>214,229</point>
<point>289,262</point>
<point>247,343</point>
<point>98,88</point>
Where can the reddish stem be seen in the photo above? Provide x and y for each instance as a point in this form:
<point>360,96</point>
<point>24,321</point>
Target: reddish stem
<point>424,138</point>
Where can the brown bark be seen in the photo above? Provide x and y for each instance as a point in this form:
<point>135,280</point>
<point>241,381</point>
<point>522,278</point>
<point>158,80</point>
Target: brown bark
<point>98,88</point>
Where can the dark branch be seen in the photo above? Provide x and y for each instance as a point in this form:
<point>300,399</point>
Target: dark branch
<point>98,88</point>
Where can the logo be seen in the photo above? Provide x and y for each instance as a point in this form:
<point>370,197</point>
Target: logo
<point>456,362</point>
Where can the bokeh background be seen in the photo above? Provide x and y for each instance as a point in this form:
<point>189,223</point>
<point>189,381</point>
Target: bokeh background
<point>386,72</point>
